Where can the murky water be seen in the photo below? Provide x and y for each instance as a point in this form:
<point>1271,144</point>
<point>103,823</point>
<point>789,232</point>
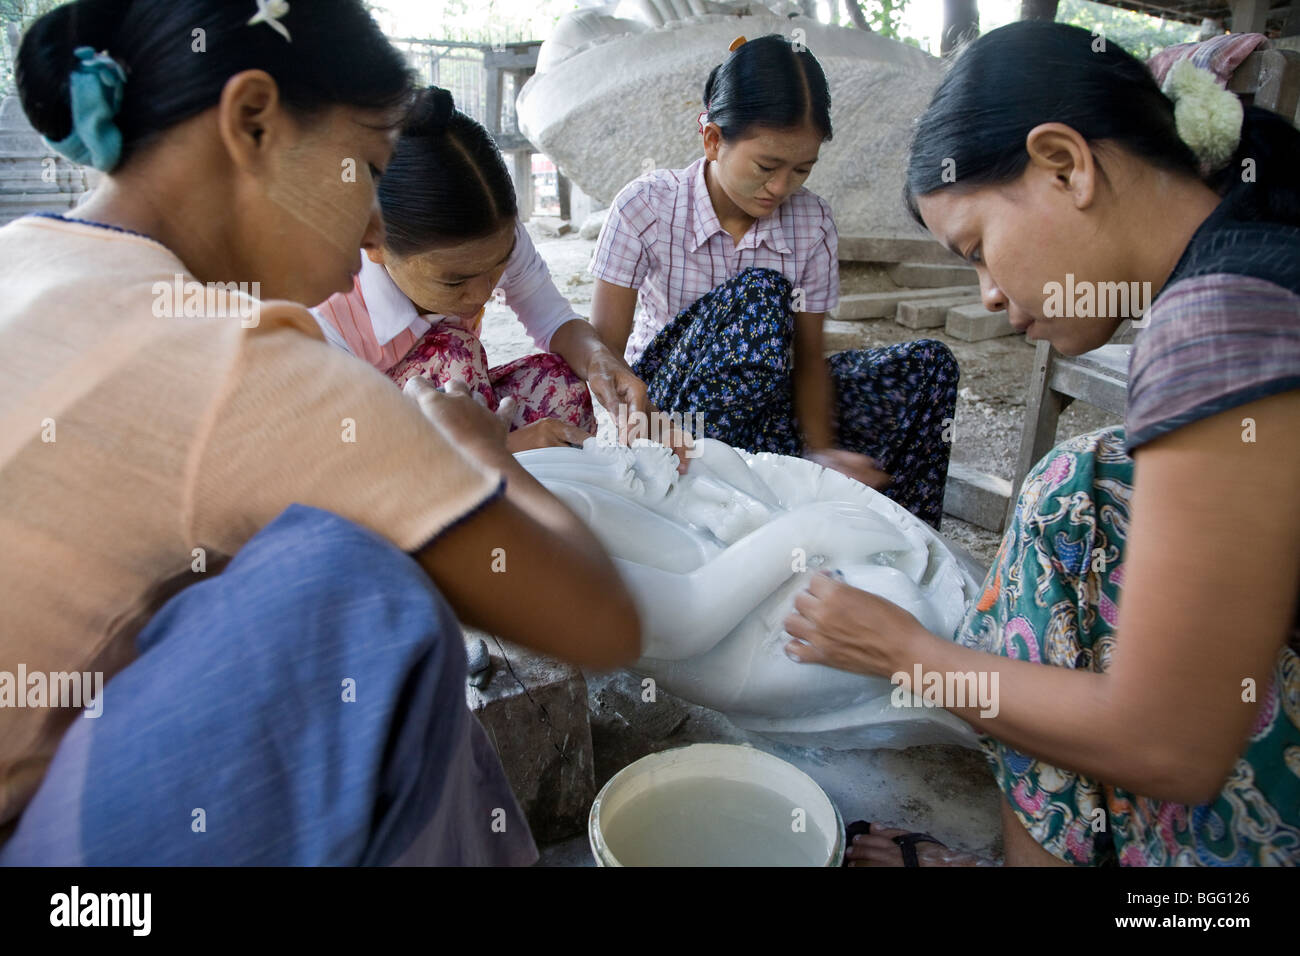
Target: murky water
<point>711,822</point>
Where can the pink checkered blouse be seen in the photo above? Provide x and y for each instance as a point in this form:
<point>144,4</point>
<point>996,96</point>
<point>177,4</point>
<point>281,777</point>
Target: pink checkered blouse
<point>663,237</point>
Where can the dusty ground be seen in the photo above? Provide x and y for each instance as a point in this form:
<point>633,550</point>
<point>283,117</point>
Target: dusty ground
<point>994,373</point>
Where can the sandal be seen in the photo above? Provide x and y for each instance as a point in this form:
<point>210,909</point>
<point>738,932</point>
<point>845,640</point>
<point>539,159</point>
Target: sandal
<point>906,843</point>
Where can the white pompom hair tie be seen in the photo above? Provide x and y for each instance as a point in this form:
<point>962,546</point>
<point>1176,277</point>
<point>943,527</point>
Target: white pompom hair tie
<point>1208,116</point>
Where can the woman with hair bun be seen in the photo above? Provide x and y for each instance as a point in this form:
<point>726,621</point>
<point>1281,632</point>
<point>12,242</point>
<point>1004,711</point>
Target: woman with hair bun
<point>173,421</point>
<point>453,237</point>
<point>1139,624</point>
<point>715,281</point>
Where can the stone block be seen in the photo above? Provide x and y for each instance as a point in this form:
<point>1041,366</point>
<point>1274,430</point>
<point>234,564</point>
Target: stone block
<point>921,275</point>
<point>976,496</point>
<point>882,305</point>
<point>592,225</point>
<point>974,323</point>
<point>930,313</point>
<point>534,710</point>
<point>550,226</point>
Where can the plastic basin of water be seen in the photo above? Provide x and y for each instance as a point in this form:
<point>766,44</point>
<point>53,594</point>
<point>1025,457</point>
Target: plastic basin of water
<point>714,805</point>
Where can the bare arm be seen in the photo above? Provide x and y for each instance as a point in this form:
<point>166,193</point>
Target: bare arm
<point>524,567</point>
<point>1211,570</point>
<point>814,404</point>
<point>613,308</point>
<point>813,398</point>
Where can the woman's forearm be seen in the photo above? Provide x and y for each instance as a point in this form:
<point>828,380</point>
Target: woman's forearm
<point>533,498</point>
<point>1065,717</point>
<point>613,311</point>
<point>576,342</point>
<point>814,400</point>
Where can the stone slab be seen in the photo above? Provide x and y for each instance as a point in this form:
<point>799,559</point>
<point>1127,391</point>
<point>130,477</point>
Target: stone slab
<point>534,710</point>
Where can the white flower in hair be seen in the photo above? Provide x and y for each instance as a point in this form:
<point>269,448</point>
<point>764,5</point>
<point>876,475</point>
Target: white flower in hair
<point>1208,117</point>
<point>270,12</point>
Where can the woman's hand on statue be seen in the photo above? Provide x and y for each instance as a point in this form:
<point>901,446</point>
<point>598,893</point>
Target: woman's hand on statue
<point>624,396</point>
<point>462,417</point>
<point>850,463</point>
<point>546,433</point>
<point>840,626</point>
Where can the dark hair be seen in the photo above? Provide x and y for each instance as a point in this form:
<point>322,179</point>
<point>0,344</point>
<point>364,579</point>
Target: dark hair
<point>1014,78</point>
<point>337,56</point>
<point>446,181</point>
<point>767,82</point>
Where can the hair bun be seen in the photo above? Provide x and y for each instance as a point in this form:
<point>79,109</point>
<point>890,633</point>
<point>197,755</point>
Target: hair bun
<point>434,107</point>
<point>45,59</point>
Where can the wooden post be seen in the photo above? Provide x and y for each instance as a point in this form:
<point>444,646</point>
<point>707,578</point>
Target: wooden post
<point>1043,408</point>
<point>961,22</point>
<point>523,170</point>
<point>562,191</point>
<point>1249,16</point>
<point>492,92</point>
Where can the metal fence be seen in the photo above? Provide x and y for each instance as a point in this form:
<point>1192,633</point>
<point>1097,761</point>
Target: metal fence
<point>454,66</point>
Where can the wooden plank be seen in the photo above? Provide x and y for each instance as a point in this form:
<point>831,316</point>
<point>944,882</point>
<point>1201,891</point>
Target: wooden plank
<point>1110,359</point>
<point>1043,407</point>
<point>1099,378</point>
<point>511,58</point>
<point>1271,79</point>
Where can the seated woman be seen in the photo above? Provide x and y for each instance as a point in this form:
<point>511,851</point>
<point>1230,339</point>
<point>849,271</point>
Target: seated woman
<point>1140,615</point>
<point>306,705</point>
<point>734,263</point>
<point>453,236</point>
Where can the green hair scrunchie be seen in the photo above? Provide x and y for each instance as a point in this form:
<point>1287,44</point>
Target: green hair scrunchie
<point>95,94</point>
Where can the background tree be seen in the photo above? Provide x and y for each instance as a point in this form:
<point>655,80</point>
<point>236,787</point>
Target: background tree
<point>1137,33</point>
<point>877,16</point>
